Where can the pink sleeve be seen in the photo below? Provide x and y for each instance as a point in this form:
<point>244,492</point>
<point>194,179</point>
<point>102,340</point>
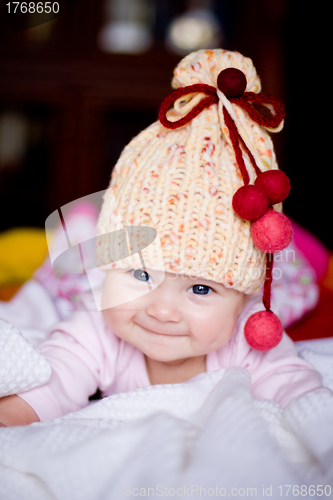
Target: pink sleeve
<point>279,374</point>
<point>82,356</point>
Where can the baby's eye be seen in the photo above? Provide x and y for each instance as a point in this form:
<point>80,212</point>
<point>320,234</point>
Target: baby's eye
<point>141,275</point>
<point>201,289</point>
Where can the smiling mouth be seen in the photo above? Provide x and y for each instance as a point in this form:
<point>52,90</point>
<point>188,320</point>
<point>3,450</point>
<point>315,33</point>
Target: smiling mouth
<point>163,334</point>
<point>158,333</point>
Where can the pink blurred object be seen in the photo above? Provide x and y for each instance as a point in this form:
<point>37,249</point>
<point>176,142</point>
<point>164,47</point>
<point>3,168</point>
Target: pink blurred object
<point>83,208</point>
<point>312,249</point>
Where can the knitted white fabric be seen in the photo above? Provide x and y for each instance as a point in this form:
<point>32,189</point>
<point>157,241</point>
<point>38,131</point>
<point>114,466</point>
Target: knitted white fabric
<point>22,366</point>
<point>181,183</point>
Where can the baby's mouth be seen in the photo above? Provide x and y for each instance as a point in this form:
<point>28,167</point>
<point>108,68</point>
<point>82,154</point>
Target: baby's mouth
<point>165,334</point>
<point>159,333</point>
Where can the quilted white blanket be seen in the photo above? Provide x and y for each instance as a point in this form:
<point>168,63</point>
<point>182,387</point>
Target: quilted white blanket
<point>203,438</point>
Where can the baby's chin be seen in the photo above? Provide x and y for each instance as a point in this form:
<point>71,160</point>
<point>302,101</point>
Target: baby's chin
<point>163,355</point>
<point>169,356</point>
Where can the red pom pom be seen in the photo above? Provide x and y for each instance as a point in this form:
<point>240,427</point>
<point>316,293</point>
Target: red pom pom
<point>263,330</point>
<point>250,202</point>
<point>232,82</point>
<point>272,232</point>
<point>276,185</point>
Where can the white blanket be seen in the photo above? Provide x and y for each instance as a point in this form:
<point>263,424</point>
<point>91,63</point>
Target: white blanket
<point>203,438</point>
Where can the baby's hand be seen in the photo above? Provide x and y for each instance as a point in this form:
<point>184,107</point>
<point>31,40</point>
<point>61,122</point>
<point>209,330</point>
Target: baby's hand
<point>15,411</point>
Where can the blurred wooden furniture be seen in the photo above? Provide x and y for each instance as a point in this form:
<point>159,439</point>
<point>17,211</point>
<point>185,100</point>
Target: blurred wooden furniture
<point>92,104</point>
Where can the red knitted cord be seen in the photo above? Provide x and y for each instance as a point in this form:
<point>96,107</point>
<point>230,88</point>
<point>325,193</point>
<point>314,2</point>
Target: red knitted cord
<point>268,281</point>
<point>255,166</point>
<point>234,137</point>
<point>271,120</point>
<point>190,89</point>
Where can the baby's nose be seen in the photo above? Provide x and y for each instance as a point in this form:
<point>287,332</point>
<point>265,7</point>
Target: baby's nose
<point>164,309</point>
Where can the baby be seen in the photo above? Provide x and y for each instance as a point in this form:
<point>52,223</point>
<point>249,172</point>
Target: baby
<point>186,302</point>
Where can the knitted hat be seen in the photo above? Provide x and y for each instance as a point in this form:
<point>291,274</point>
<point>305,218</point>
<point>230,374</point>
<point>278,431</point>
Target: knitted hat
<point>179,176</point>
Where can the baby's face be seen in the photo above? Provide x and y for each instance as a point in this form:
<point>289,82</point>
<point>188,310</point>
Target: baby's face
<point>180,318</point>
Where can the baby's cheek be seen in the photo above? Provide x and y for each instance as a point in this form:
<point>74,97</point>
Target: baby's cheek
<point>110,319</point>
<point>218,331</point>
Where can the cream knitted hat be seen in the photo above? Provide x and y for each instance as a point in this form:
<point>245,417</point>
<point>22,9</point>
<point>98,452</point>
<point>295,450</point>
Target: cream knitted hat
<point>181,181</point>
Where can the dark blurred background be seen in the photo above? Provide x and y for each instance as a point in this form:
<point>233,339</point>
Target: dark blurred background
<point>76,89</point>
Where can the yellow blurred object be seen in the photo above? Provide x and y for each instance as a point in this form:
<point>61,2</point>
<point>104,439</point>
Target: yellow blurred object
<point>7,292</point>
<point>22,251</point>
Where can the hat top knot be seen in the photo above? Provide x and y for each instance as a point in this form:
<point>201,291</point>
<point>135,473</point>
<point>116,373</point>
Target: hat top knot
<point>232,82</point>
<point>204,66</point>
